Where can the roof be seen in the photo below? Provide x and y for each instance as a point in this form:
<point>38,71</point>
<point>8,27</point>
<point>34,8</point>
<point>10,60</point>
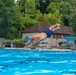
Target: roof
<point>64,30</point>
<point>39,27</point>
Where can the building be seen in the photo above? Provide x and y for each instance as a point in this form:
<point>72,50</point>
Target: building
<point>57,37</point>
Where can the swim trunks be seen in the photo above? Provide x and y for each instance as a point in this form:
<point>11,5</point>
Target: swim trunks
<point>48,32</point>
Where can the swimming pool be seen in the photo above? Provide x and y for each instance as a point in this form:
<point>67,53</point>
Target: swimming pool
<point>37,62</point>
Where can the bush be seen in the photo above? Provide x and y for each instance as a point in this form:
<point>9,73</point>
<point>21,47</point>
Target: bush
<point>16,42</point>
<point>19,42</point>
<point>66,47</point>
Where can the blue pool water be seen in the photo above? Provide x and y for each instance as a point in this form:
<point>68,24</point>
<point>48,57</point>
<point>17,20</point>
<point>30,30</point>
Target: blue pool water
<point>35,62</point>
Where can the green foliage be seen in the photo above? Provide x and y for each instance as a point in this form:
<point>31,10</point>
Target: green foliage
<point>6,19</point>
<point>66,47</point>
<point>50,18</point>
<point>53,18</point>
<point>66,9</point>
<point>17,16</point>
<point>73,23</point>
<point>19,42</point>
<point>39,16</point>
<point>42,5</point>
<point>30,8</point>
<point>29,21</point>
<point>53,7</point>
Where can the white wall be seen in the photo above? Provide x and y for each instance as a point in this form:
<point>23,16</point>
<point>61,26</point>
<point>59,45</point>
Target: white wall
<point>53,42</point>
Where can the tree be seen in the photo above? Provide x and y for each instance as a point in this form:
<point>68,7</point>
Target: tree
<point>54,15</point>
<point>73,23</point>
<point>53,7</point>
<point>17,16</point>
<point>53,18</point>
<point>43,4</point>
<point>30,12</point>
<point>6,9</point>
<point>11,21</point>
<point>39,17</point>
<point>66,9</point>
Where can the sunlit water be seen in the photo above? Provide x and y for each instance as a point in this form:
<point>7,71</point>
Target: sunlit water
<point>35,62</point>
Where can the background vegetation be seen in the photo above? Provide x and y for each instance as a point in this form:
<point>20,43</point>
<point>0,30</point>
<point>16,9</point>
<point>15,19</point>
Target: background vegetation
<point>15,16</point>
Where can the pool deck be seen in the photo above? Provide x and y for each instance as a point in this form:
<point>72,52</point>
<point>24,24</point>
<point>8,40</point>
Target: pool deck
<point>42,49</point>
